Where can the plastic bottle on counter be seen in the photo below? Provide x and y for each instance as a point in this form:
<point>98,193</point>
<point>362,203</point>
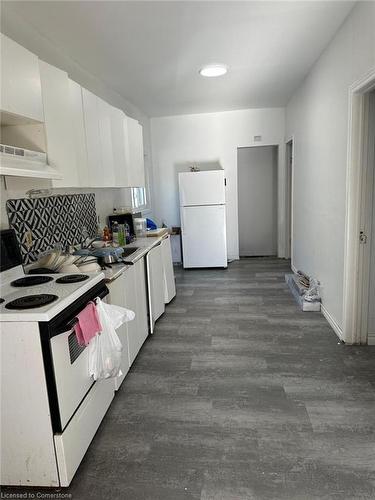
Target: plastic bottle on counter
<point>115,232</point>
<point>121,235</point>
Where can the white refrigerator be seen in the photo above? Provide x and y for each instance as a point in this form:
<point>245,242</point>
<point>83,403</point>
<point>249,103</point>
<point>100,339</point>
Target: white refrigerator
<point>203,219</point>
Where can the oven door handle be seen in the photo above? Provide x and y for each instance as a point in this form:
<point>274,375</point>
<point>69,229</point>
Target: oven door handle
<point>69,325</point>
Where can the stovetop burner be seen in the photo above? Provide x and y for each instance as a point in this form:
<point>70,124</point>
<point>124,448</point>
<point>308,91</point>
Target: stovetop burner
<point>31,301</point>
<point>31,280</point>
<point>72,278</point>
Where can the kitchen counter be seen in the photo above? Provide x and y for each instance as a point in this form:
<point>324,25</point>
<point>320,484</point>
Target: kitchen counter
<point>144,245</point>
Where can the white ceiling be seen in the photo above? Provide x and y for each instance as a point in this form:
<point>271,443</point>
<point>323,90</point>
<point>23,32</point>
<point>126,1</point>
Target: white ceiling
<point>150,52</point>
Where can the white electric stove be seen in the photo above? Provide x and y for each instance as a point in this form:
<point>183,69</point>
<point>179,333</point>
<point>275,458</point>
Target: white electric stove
<point>51,407</point>
<point>40,297</point>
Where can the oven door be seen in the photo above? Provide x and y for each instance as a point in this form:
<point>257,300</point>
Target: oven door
<point>66,362</point>
<point>71,367</point>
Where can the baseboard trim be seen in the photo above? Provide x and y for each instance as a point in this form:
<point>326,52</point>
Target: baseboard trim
<point>332,321</point>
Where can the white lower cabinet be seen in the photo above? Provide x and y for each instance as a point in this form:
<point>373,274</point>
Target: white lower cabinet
<point>130,285</point>
<point>118,298</point>
<point>155,281</point>
<point>129,290</point>
<point>135,292</point>
<point>140,271</point>
<point>169,281</point>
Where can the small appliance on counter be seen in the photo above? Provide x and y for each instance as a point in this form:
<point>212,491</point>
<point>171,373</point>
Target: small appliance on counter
<point>124,218</point>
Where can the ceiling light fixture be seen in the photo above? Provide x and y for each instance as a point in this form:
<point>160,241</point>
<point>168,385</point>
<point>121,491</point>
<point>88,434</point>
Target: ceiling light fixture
<point>213,70</point>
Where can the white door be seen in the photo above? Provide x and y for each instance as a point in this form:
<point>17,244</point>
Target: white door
<point>204,242</point>
<point>202,188</point>
<point>169,281</point>
<point>155,282</point>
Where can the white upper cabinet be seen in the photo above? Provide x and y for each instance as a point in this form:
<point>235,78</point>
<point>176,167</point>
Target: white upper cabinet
<point>58,125</point>
<point>106,149</point>
<point>127,142</point>
<point>97,118</point>
<point>91,119</point>
<point>119,129</point>
<point>136,167</point>
<point>20,81</point>
<point>77,124</point>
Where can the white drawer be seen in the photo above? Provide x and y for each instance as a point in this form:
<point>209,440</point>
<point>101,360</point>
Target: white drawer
<point>72,444</point>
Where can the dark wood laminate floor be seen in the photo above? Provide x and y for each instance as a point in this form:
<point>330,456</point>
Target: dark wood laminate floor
<point>238,396</point>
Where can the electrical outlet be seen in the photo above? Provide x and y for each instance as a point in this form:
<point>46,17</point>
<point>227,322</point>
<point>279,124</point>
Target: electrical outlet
<point>29,239</point>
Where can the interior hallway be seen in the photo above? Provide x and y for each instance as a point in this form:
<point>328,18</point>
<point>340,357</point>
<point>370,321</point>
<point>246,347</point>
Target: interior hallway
<point>238,396</point>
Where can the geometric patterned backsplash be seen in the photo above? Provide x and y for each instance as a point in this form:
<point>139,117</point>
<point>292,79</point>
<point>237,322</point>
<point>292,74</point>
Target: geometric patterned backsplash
<point>51,220</point>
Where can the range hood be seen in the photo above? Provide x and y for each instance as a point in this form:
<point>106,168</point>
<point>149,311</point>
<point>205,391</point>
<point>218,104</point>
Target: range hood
<point>22,162</point>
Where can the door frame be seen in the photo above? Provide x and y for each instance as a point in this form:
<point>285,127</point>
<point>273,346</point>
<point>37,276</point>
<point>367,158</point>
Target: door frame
<point>358,195</point>
<point>289,199</point>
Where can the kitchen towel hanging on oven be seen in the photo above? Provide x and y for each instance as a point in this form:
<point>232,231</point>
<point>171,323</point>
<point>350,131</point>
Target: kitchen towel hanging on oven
<point>105,348</point>
<point>88,324</point>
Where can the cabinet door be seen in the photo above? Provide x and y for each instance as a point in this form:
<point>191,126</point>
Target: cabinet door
<point>168,271</point>
<point>136,157</point>
<point>106,149</point>
<point>131,303</point>
<point>78,129</point>
<point>117,297</point>
<point>142,319</point>
<point>155,283</point>
<point>119,130</point>
<point>20,81</point>
<point>91,118</point>
<point>58,124</point>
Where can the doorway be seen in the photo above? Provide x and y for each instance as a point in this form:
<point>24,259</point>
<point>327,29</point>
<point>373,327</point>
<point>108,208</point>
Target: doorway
<point>257,200</point>
<point>359,271</point>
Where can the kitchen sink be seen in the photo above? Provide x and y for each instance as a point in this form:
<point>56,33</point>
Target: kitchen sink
<point>129,251</point>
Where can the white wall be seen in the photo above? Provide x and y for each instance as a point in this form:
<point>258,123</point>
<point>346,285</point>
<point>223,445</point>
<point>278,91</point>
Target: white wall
<point>317,116</point>
<point>179,141</point>
<point>106,199</point>
<point>257,200</point>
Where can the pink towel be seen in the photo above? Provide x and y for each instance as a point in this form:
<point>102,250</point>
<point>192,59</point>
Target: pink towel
<point>88,324</point>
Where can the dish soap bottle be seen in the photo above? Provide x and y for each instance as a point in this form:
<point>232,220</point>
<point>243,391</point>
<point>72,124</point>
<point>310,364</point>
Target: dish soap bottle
<point>115,233</point>
<point>121,235</point>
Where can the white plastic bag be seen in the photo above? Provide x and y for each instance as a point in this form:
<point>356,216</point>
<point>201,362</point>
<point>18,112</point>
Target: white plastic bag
<point>105,349</point>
